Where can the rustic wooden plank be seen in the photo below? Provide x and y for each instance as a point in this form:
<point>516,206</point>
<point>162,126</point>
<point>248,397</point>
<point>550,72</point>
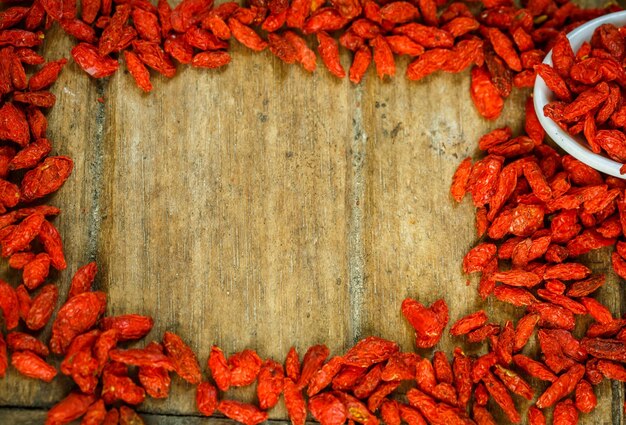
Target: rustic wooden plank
<point>260,207</point>
<point>37,417</point>
<point>226,209</point>
<point>415,234</point>
<point>612,294</point>
<point>75,129</point>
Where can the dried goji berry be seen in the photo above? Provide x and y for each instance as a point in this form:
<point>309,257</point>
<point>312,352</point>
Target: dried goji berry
<point>270,384</point>
<point>141,357</point>
<point>427,63</point>
<point>368,351</point>
<point>155,380</point>
<point>84,371</point>
<point>554,82</point>
<point>36,271</point>
<point>20,238</point>
<point>294,402</point>
<point>586,400</point>
<point>479,257</point>
<point>425,405</point>
<point>83,342</point>
<point>282,48</point>
<point>120,387</point>
<point>360,63</point>
<point>206,398</point>
<point>129,417</point>
<point>184,360</point>
<point>46,178</point>
<point>403,45</point>
<point>501,396</point>
<point>128,326</point>
<point>106,341</point>
<point>219,368</point>
<point>18,341</point>
<point>563,386</point>
<point>313,360</point>
<point>469,323</point>
<point>383,56</point>
<point>246,35</point>
<point>76,316</point>
<point>304,55</point>
<point>92,62</point>
<point>370,381</point>
<point>138,70</point>
<point>484,94</point>
<point>147,24</point>
<point>324,19</point>
<point>565,413</point>
<point>460,179</point>
<point>384,389</point>
<point>605,348</point>
<point>241,412</point>
<point>32,366</point>
<point>4,359</point>
<point>400,367</point>
<point>244,368</point>
<point>329,52</point>
<point>9,305</point>
<point>154,57</point>
<point>30,156</point>
<point>390,413</point>
<point>327,409</point>
<point>13,124</point>
<point>70,408</point>
<point>585,287</point>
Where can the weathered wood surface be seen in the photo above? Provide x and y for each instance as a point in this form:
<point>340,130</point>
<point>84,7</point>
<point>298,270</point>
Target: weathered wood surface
<point>75,129</point>
<point>38,416</point>
<point>263,207</point>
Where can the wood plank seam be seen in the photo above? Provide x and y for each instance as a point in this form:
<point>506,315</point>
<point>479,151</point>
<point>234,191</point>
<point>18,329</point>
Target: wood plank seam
<point>356,197</point>
<point>617,404</point>
<point>97,167</point>
<point>34,414</point>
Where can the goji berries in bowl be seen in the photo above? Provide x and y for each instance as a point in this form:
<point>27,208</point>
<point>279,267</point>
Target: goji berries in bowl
<point>575,141</point>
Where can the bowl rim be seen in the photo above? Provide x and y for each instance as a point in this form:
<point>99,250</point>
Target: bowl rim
<point>574,145</point>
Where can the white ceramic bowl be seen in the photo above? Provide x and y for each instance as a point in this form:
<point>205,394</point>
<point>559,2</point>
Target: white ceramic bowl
<point>575,145</point>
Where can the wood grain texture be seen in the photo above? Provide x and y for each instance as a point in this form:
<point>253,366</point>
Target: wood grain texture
<point>37,417</point>
<point>259,206</point>
<point>75,128</point>
<point>228,217</point>
<point>416,237</point>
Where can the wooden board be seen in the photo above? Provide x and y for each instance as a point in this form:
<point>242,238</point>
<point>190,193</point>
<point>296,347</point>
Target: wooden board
<point>76,125</point>
<point>415,236</point>
<point>256,156</point>
<point>263,207</point>
<point>38,416</point>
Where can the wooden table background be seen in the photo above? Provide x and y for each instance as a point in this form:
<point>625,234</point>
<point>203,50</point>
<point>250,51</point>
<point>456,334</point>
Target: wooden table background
<point>260,206</point>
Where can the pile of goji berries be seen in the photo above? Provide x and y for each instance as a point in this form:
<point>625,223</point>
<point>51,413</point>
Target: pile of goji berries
<point>536,212</point>
<point>502,41</point>
<point>587,87</point>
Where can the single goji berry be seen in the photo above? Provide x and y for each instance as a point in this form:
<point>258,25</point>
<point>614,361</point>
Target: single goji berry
<point>77,315</point>
<point>32,366</point>
<point>138,70</point>
<point>184,360</point>
<point>242,412</point>
<point>206,398</point>
<point>70,408</point>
